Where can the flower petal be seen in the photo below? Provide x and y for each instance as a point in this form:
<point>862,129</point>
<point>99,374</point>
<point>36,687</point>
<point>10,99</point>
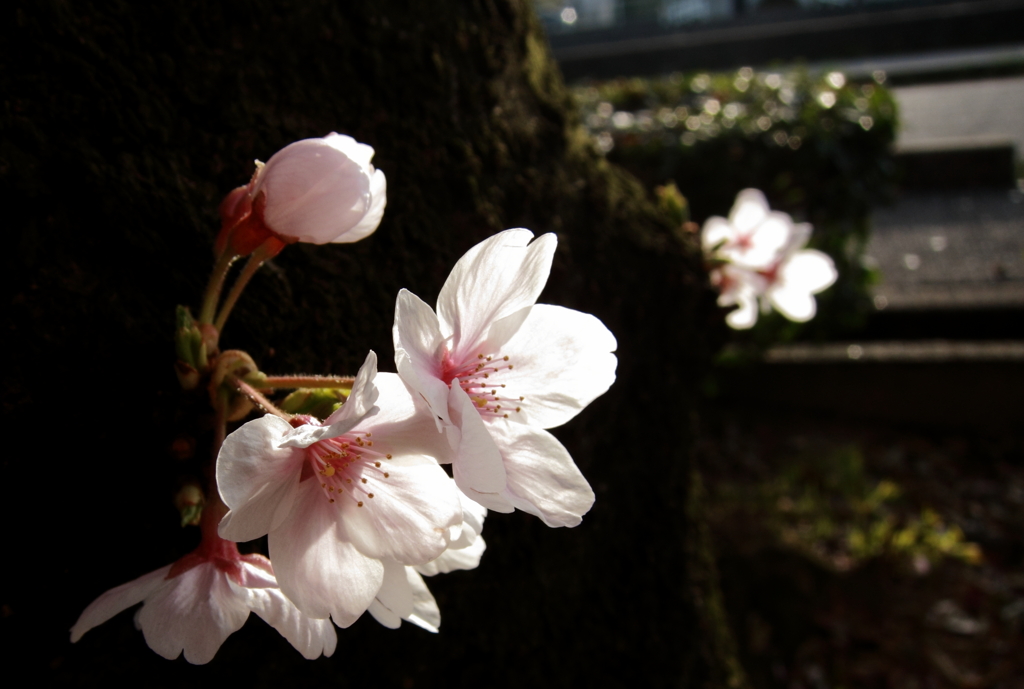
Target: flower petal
<point>418,343</point>
<point>542,478</point>
<point>321,573</point>
<point>404,424</point>
<point>716,232</point>
<point>494,279</point>
<point>478,468</point>
<point>473,515</point>
<point>563,361</point>
<point>310,637</point>
<point>117,599</point>
<point>808,270</point>
<point>749,210</point>
<point>257,478</point>
<point>394,599</point>
<point>452,559</point>
<point>425,612</point>
<point>408,517</point>
<point>358,406</point>
<point>374,214</point>
<point>195,612</point>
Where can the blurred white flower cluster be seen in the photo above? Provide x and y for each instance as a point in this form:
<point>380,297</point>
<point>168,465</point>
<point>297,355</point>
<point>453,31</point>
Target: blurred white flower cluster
<point>759,262</point>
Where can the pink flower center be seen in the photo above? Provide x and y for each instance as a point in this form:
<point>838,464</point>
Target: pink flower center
<point>480,378</point>
<point>347,467</point>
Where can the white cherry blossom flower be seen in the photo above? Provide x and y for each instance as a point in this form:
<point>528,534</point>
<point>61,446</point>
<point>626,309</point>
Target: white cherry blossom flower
<point>340,499</point>
<point>200,600</point>
<point>760,258</point>
<point>754,236</point>
<point>405,596</point>
<point>496,368</point>
<point>318,191</point>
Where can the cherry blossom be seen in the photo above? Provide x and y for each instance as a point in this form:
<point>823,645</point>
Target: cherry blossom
<point>759,259</point>
<point>405,596</point>
<point>194,604</point>
<point>754,236</point>
<point>315,190</point>
<point>495,369</point>
<point>341,498</point>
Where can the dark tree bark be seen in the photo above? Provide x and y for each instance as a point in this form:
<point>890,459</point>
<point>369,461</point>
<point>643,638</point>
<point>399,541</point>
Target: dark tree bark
<point>124,125</point>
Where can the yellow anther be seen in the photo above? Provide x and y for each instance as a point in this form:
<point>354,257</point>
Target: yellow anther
<point>481,402</point>
<point>519,408</point>
<point>506,416</point>
<point>369,495</point>
<point>348,480</point>
<point>510,367</point>
<point>328,470</point>
<point>487,375</point>
<point>386,474</point>
<point>388,456</point>
<point>330,489</point>
<point>521,398</point>
<point>363,480</point>
<point>506,358</point>
<point>359,504</point>
<point>479,356</point>
<point>376,464</point>
<point>488,358</point>
<point>332,499</point>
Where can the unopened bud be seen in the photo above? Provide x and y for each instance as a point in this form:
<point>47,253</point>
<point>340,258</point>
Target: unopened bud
<point>189,502</point>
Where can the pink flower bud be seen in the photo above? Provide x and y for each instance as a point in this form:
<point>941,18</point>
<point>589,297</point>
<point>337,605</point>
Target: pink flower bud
<point>315,190</point>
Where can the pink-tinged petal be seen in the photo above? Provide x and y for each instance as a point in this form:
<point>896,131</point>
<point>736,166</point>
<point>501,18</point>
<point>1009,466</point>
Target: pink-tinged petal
<point>425,613</point>
<point>310,637</point>
<point>749,209</point>
<point>257,478</point>
<point>358,406</point>
<point>320,572</point>
<point>374,214</point>
<point>494,279</point>
<point>255,572</point>
<point>766,243</point>
<point>394,599</point>
<point>473,515</point>
<point>315,192</point>
<point>477,467</point>
<point>404,424</point>
<point>452,560</point>
<point>418,345</point>
<point>409,515</point>
<point>117,599</point>
<point>562,361</point>
<point>195,612</point>
<point>542,478</point>
<point>716,232</point>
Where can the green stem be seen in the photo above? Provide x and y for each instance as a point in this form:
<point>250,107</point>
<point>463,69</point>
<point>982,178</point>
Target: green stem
<point>288,382</point>
<point>213,289</point>
<point>251,266</point>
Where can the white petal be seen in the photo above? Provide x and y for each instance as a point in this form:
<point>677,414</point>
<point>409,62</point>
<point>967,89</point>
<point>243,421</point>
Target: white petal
<point>808,270</point>
<point>257,478</point>
<point>256,572</point>
<point>473,515</point>
<point>425,612</point>
<point>358,406</point>
<point>494,279</point>
<point>766,244</point>
<point>746,315</point>
<point>195,612</point>
<point>451,559</point>
<point>321,573</point>
<point>716,232</point>
<point>405,424</point>
<point>374,214</point>
<point>795,304</point>
<point>408,517</point>
<point>117,599</point>
<point>562,361</point>
<point>310,637</point>
<point>418,343</point>
<point>394,599</point>
<point>315,192</point>
<point>542,478</point>
<point>749,209</point>
<point>478,468</point>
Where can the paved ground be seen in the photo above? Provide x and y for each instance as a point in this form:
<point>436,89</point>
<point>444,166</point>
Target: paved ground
<point>950,250</point>
<point>959,114</point>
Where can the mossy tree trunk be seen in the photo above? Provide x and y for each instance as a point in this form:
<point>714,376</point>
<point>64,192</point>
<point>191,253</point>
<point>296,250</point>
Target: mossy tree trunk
<point>123,127</point>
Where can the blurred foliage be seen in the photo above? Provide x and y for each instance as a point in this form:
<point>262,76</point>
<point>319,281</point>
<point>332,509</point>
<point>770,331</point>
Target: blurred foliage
<point>818,145</point>
<point>826,507</point>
